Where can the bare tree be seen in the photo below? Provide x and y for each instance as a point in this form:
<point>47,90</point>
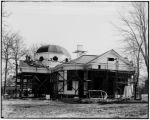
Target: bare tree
<point>135,33</point>
<point>18,48</point>
<point>6,53</point>
<point>12,46</point>
<point>33,49</point>
<point>6,44</point>
<point>18,51</point>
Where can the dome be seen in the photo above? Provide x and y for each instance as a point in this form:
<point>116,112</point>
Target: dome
<point>54,49</point>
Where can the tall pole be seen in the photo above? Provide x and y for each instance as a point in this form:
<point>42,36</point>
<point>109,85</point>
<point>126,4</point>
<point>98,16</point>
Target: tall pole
<point>116,75</point>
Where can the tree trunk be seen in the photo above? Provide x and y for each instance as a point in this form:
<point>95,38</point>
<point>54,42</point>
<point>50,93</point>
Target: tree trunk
<point>5,76</point>
<point>137,74</point>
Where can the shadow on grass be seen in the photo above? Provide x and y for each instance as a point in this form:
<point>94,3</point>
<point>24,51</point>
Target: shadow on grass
<point>90,101</point>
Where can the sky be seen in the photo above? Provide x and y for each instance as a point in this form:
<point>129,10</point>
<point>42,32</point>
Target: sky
<point>67,24</point>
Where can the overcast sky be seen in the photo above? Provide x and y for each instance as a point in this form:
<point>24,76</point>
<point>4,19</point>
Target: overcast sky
<point>68,24</point>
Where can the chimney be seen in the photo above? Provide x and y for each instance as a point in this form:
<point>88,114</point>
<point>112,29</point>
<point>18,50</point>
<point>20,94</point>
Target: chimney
<point>79,47</point>
<point>80,50</point>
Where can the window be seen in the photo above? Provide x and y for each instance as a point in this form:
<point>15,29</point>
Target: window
<point>55,58</point>
<point>99,66</point>
<point>41,58</point>
<point>111,59</point>
<point>69,85</point>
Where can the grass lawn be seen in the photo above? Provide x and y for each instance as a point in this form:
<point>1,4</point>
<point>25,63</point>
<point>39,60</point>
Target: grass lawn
<point>16,108</point>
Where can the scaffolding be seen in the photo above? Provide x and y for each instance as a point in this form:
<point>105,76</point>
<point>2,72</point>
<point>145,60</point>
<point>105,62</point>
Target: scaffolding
<point>44,80</point>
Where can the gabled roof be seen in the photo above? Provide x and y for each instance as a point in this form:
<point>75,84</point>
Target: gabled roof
<point>119,56</point>
<point>83,59</point>
<point>122,58</point>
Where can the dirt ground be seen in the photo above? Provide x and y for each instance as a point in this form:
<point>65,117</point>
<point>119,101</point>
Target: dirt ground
<point>56,109</point>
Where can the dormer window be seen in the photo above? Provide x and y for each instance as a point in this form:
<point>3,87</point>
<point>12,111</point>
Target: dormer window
<point>41,58</point>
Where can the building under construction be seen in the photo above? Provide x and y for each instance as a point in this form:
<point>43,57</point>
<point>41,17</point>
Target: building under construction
<point>54,73</point>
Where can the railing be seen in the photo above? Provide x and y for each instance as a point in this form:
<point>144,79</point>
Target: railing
<point>97,94</point>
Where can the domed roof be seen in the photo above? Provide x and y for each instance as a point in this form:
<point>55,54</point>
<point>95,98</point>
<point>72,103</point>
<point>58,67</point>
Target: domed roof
<point>54,49</point>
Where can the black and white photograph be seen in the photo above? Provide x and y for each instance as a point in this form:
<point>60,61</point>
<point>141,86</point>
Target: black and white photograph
<point>74,59</point>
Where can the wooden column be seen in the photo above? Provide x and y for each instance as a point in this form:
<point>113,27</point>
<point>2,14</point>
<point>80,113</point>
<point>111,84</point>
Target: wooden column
<point>115,84</point>
<point>106,84</point>
<point>16,80</point>
<point>57,79</point>
<point>85,79</point>
<point>21,85</point>
<point>63,82</point>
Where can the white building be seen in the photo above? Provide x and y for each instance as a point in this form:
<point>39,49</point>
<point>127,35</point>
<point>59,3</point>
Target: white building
<point>64,77</point>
